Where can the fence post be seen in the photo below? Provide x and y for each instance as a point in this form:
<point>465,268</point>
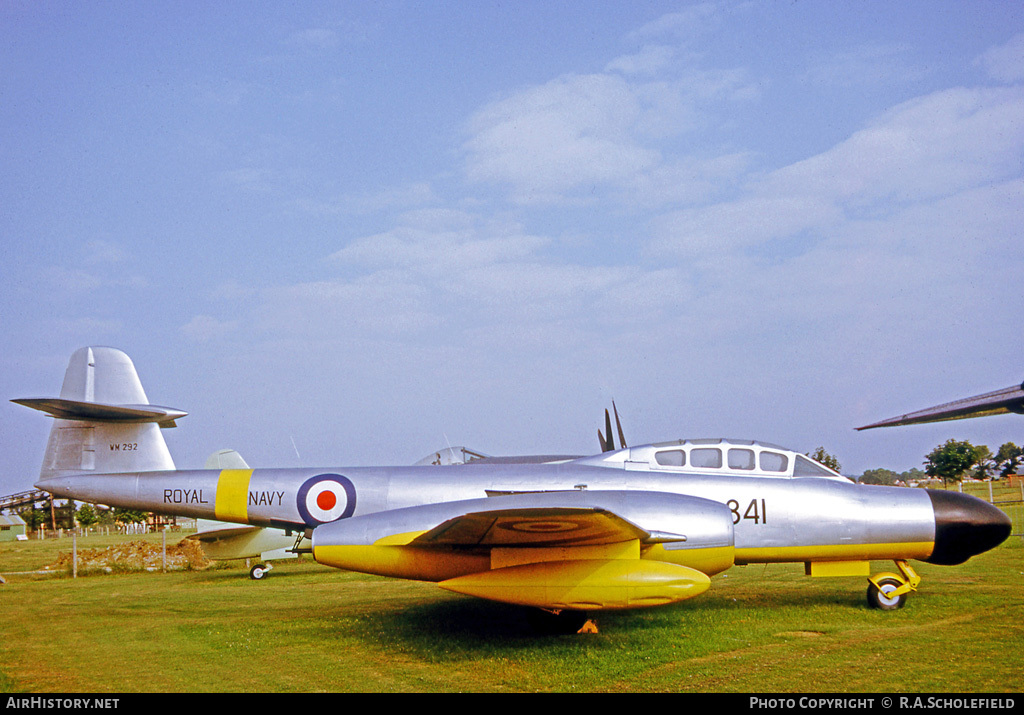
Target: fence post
<point>74,555</point>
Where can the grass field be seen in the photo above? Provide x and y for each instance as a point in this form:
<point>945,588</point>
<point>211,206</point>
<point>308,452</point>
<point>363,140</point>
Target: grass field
<point>307,628</point>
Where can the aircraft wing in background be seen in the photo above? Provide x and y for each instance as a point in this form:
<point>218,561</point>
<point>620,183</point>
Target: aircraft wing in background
<point>1010,399</point>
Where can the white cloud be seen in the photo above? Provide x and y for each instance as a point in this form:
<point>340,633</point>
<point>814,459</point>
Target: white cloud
<point>633,126</point>
<point>921,150</point>
<point>573,131</point>
<point>1005,62</point>
<point>684,25</point>
<point>708,234</point>
<point>436,251</point>
<point>648,61</point>
<point>926,147</point>
<point>103,253</point>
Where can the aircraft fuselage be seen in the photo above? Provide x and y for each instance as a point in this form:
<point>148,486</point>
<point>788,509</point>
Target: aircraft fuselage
<point>772,519</point>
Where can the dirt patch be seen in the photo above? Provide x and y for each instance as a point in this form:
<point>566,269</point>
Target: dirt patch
<point>799,634</point>
<point>136,556</point>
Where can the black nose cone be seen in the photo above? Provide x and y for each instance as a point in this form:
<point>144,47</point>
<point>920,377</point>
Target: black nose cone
<point>964,527</point>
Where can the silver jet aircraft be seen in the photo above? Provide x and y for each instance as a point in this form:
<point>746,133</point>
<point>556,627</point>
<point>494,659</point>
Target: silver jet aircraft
<point>627,528</point>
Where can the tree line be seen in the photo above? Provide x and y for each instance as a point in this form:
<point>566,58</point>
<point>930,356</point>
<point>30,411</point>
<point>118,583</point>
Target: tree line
<point>86,515</point>
<point>953,461</point>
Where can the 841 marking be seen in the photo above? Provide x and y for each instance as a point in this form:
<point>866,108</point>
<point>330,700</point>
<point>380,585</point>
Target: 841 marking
<point>755,510</point>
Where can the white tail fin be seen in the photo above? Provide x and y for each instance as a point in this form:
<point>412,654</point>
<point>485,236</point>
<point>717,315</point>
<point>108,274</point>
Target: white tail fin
<point>104,422</point>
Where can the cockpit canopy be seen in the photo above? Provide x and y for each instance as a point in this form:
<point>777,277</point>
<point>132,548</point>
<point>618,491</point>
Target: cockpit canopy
<point>720,456</point>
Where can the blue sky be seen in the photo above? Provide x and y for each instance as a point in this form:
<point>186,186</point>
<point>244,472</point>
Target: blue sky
<point>352,233</point>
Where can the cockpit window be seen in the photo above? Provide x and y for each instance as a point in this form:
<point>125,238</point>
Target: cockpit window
<point>671,458</point>
<point>706,457</point>
<point>804,467</point>
<point>774,462</point>
<point>741,459</point>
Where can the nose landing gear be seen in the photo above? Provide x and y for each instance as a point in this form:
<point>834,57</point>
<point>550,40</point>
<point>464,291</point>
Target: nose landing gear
<point>259,571</point>
<point>889,591</point>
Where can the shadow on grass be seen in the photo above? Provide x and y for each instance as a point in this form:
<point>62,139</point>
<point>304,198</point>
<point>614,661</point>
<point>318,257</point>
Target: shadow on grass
<point>464,624</point>
<point>464,627</point>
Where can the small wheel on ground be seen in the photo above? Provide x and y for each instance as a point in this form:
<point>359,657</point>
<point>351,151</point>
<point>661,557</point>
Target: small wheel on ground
<point>878,597</point>
<point>258,572</point>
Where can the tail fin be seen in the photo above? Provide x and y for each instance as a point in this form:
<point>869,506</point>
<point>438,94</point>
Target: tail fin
<point>104,422</point>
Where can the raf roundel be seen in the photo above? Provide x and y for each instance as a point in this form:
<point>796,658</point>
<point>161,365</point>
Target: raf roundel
<point>326,497</point>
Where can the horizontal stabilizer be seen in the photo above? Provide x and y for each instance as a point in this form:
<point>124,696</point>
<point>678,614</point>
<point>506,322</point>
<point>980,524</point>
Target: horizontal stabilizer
<point>100,412</point>
<point>104,422</point>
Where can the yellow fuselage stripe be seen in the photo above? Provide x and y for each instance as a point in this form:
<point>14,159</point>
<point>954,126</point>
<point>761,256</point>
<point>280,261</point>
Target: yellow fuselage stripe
<point>232,495</point>
<point>835,552</point>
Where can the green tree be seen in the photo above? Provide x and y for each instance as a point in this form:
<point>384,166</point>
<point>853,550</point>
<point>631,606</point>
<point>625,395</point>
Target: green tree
<point>912,474</point>
<point>885,477</point>
<point>984,464</point>
<point>36,518</point>
<point>87,515</point>
<point>950,461</point>
<point>822,457</point>
<point>129,516</point>
<point>1008,458</point>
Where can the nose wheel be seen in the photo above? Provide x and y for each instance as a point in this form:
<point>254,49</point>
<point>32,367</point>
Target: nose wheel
<point>259,571</point>
<point>889,591</point>
<point>884,596</point>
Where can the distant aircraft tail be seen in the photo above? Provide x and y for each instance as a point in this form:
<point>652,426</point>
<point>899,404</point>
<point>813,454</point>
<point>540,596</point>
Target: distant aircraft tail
<point>104,422</point>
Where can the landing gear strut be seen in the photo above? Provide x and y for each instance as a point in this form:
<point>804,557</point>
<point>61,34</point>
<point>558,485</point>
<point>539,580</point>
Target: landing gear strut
<point>889,591</point>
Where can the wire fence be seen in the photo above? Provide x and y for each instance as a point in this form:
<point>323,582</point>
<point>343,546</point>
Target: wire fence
<point>107,530</point>
<point>1014,510</point>
<point>1007,495</point>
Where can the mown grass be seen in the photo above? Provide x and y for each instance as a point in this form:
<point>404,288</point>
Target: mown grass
<point>307,628</point>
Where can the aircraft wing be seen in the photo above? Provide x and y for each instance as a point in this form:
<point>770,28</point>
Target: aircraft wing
<point>213,531</point>
<point>561,549</point>
<point>998,402</point>
<point>221,541</point>
<point>462,455</point>
<point>538,526</point>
